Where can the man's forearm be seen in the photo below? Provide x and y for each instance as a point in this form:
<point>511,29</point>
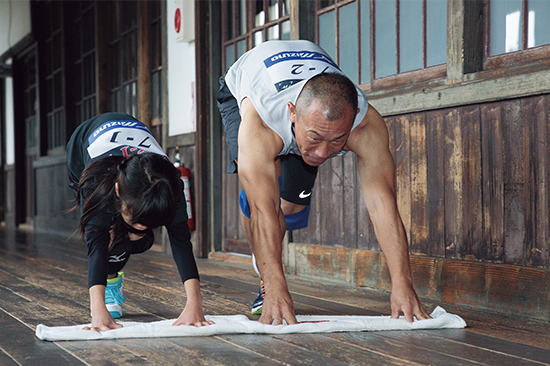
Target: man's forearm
<point>392,238</point>
<point>267,231</point>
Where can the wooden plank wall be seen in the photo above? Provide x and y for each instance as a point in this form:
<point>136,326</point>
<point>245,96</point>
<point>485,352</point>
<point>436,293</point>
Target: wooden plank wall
<point>234,239</point>
<point>54,198</point>
<point>472,184</point>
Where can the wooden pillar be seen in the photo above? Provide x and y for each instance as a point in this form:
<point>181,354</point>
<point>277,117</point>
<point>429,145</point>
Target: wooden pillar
<point>215,140</point>
<point>208,138</point>
<point>464,38</point>
<point>201,170</point>
<point>302,20</point>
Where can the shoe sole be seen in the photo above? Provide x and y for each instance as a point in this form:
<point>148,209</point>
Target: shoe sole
<point>115,314</point>
<point>257,310</point>
<point>114,310</point>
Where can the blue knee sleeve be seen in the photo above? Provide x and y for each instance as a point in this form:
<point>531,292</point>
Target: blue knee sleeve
<point>243,202</point>
<point>295,221</point>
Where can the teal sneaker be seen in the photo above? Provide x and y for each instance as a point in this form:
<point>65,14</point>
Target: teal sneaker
<point>113,295</point>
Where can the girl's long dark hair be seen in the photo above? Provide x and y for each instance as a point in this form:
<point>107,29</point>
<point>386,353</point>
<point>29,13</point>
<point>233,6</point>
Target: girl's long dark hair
<point>148,185</point>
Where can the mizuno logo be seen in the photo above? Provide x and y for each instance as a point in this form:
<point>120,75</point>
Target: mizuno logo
<point>117,258</point>
<point>303,194</point>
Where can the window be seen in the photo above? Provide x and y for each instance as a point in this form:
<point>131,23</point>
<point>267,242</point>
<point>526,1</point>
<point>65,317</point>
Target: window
<point>516,32</point>
<point>124,57</point>
<point>84,46</point>
<point>516,25</point>
<point>372,39</point>
<point>234,25</point>
<point>54,74</point>
<point>271,20</point>
<point>259,21</point>
<point>30,103</point>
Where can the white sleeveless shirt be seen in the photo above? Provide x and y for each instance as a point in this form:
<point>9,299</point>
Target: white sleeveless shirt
<point>273,74</point>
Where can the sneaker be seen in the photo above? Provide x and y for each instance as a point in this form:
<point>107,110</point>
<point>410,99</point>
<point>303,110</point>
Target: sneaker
<point>113,295</point>
<point>259,302</point>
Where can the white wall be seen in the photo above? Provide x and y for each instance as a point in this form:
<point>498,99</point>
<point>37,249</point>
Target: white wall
<point>181,77</point>
<point>9,135</point>
<point>15,22</point>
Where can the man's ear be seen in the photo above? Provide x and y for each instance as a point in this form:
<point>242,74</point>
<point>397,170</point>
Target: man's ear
<point>116,189</point>
<point>291,112</point>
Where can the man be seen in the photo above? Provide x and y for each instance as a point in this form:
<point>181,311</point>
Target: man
<point>287,108</point>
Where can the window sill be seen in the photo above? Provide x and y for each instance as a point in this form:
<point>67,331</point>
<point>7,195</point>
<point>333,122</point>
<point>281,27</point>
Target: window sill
<point>481,87</point>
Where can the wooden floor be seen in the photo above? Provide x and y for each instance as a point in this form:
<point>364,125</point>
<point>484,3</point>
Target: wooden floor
<point>43,280</point>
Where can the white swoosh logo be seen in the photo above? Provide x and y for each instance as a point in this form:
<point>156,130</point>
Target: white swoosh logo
<point>303,194</point>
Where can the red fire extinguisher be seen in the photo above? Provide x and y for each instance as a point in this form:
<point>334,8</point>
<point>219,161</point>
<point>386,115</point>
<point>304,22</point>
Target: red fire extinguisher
<point>187,178</point>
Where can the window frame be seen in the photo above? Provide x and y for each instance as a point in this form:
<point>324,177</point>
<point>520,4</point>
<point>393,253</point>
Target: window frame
<point>251,29</point>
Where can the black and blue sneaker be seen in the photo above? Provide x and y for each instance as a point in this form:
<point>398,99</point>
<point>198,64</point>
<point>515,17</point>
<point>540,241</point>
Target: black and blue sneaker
<point>259,302</point>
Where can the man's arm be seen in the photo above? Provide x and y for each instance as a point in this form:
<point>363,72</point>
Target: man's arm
<point>258,172</point>
<point>370,141</point>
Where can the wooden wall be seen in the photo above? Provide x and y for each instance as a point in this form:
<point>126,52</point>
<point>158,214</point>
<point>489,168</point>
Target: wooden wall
<point>471,185</point>
<point>54,197</point>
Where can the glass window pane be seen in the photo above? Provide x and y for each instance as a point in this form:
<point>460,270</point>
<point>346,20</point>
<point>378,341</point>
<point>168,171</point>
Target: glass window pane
<point>436,32</point>
<point>325,3</point>
<point>286,8</point>
<point>285,30</point>
<point>327,33</point>
<point>505,32</point>
<point>229,55</point>
<point>242,7</point>
<point>258,38</point>
<point>538,24</point>
<point>410,35</point>
<point>229,16</point>
<point>385,38</point>
<point>347,34</point>
<point>273,33</point>
<point>241,48</point>
<point>260,13</point>
<point>273,9</point>
<point>365,41</point>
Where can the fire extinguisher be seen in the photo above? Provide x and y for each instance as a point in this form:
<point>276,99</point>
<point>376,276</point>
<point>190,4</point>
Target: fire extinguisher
<point>187,177</point>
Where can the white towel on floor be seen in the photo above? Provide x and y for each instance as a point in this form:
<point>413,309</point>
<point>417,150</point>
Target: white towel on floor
<point>239,324</point>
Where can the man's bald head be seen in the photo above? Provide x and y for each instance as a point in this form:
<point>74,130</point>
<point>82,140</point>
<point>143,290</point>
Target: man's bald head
<point>335,91</point>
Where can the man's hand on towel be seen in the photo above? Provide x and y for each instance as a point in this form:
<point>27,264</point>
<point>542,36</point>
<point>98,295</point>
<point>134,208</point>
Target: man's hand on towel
<point>192,315</point>
<point>277,307</point>
<point>405,301</point>
<point>102,321</point>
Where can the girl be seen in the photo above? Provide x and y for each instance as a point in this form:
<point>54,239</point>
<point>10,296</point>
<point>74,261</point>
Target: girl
<point>125,186</point>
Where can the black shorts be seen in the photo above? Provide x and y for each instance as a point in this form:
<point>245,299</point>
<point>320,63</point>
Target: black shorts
<point>298,178</point>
